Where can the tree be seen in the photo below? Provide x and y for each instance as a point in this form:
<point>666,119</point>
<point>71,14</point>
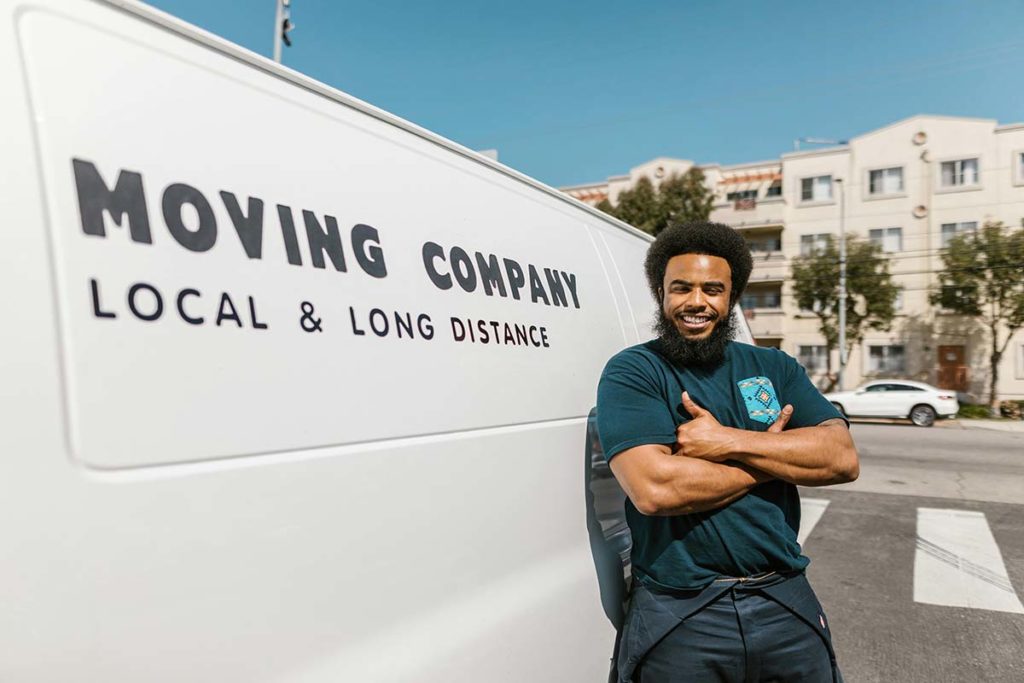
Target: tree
<point>871,294</point>
<point>679,198</point>
<point>983,277</point>
<point>639,206</point>
<point>685,198</point>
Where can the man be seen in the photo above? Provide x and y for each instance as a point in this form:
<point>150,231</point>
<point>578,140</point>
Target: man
<point>692,426</point>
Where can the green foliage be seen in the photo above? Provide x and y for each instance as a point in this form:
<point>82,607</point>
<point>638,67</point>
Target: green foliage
<point>983,277</point>
<point>974,412</point>
<point>684,198</point>
<point>871,294</point>
<point>679,198</point>
<point>639,206</point>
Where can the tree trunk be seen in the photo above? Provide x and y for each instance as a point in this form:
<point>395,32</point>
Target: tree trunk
<point>994,359</point>
<point>832,380</point>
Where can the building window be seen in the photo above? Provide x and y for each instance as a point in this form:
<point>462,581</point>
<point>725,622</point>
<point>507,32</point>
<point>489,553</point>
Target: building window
<point>816,189</point>
<point>813,358</point>
<point>767,298</point>
<point>884,181</point>
<point>1019,166</point>
<point>741,194</point>
<point>775,189</point>
<point>889,239</point>
<point>960,173</point>
<point>814,244</point>
<point>897,304</point>
<point>764,245</point>
<point>887,359</point>
<point>951,230</point>
<point>815,309</point>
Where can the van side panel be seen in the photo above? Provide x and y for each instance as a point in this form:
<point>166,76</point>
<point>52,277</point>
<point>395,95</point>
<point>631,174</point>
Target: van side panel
<point>280,491</point>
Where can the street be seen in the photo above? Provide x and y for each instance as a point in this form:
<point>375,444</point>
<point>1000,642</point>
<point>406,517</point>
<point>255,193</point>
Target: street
<point>919,563</point>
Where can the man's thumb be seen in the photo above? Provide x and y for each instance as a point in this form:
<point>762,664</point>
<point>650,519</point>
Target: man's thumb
<point>691,407</point>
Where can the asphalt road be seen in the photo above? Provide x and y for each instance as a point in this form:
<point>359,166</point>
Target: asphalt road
<point>864,548</point>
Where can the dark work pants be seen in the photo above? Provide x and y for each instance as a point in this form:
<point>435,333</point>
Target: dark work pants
<point>732,632</point>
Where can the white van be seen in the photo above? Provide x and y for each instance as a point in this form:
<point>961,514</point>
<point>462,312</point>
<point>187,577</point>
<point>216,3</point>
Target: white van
<point>312,411</point>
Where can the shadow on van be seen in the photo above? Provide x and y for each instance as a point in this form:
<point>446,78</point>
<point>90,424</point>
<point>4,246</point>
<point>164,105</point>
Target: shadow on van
<point>610,541</point>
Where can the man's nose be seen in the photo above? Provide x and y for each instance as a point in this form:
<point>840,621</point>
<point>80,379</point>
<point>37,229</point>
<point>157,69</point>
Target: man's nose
<point>695,300</point>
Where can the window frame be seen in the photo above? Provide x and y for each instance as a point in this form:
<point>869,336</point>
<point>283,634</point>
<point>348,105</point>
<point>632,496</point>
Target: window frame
<point>869,365</point>
<point>812,251</point>
<point>831,199</point>
<point>1017,164</point>
<point>820,359</point>
<point>885,234</point>
<point>941,187</point>
<point>759,294</point>
<point>901,192</point>
<point>943,242</point>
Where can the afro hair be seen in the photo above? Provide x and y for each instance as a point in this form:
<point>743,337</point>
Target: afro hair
<point>699,237</point>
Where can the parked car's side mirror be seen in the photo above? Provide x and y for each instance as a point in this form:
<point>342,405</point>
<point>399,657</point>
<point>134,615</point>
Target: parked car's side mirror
<point>861,391</point>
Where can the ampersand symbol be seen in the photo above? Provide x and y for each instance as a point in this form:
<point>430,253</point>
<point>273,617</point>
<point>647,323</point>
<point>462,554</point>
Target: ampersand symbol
<point>308,322</point>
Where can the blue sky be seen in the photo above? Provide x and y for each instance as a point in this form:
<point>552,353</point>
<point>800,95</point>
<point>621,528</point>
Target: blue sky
<point>571,92</point>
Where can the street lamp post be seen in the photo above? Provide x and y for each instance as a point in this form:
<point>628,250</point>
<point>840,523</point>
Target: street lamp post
<point>842,282</point>
<point>282,25</point>
<point>278,23</point>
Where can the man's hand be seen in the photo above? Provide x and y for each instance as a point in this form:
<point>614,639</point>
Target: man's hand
<point>704,437</point>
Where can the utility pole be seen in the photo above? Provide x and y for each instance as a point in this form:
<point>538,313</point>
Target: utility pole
<point>842,282</point>
<point>282,25</point>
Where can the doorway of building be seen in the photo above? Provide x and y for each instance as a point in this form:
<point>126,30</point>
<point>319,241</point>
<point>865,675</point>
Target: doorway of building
<point>952,368</point>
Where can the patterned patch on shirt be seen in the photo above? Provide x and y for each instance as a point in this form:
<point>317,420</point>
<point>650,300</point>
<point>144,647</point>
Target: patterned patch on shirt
<point>760,399</point>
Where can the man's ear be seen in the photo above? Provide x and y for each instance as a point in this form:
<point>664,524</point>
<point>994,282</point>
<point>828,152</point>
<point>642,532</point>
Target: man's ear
<point>661,293</point>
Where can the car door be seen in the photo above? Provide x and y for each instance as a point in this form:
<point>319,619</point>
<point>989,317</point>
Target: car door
<point>902,397</point>
<point>872,401</point>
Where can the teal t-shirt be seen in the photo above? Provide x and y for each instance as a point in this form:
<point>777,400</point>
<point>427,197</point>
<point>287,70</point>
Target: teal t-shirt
<point>639,401</point>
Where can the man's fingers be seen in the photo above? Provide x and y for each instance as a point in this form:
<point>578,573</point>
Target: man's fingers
<point>782,420</point>
<point>692,408</point>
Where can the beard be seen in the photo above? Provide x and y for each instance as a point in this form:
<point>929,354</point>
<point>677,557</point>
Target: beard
<point>706,352</point>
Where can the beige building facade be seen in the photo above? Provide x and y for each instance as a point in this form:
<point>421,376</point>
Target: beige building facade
<point>909,187</point>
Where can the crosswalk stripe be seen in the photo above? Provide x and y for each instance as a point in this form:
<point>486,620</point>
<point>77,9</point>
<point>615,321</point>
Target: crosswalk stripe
<point>811,510</point>
<point>958,564</point>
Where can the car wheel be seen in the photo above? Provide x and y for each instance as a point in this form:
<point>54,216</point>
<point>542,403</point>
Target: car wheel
<point>922,415</point>
<point>839,407</point>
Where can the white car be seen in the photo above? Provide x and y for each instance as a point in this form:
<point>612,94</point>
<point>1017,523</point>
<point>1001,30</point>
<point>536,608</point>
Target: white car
<point>919,402</point>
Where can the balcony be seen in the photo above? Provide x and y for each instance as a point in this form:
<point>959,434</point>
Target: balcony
<point>770,266</point>
<point>765,323</point>
<point>745,214</point>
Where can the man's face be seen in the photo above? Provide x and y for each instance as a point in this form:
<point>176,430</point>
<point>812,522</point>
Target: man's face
<point>695,294</point>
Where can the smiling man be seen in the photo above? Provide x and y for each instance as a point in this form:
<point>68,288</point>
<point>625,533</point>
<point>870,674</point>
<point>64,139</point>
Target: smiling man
<point>692,425</point>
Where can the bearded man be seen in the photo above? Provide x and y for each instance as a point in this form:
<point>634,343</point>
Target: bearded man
<point>692,426</point>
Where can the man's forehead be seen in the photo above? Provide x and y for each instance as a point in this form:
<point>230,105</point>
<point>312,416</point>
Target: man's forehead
<point>698,267</point>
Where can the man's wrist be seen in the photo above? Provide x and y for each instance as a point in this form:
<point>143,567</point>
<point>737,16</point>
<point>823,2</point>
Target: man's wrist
<point>735,444</point>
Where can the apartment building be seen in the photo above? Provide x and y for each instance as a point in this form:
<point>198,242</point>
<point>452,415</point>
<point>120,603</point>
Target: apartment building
<point>909,187</point>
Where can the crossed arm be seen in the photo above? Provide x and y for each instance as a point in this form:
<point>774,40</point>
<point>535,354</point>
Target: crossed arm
<point>720,464</point>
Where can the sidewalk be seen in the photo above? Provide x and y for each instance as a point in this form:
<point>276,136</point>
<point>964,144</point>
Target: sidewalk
<point>998,425</point>
<point>1013,426</point>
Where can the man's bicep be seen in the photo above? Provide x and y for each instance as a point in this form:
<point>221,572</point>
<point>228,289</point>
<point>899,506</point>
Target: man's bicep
<point>640,468</point>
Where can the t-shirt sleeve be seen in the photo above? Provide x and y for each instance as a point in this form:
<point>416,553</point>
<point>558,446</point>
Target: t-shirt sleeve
<point>631,410</point>
<point>810,408</point>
